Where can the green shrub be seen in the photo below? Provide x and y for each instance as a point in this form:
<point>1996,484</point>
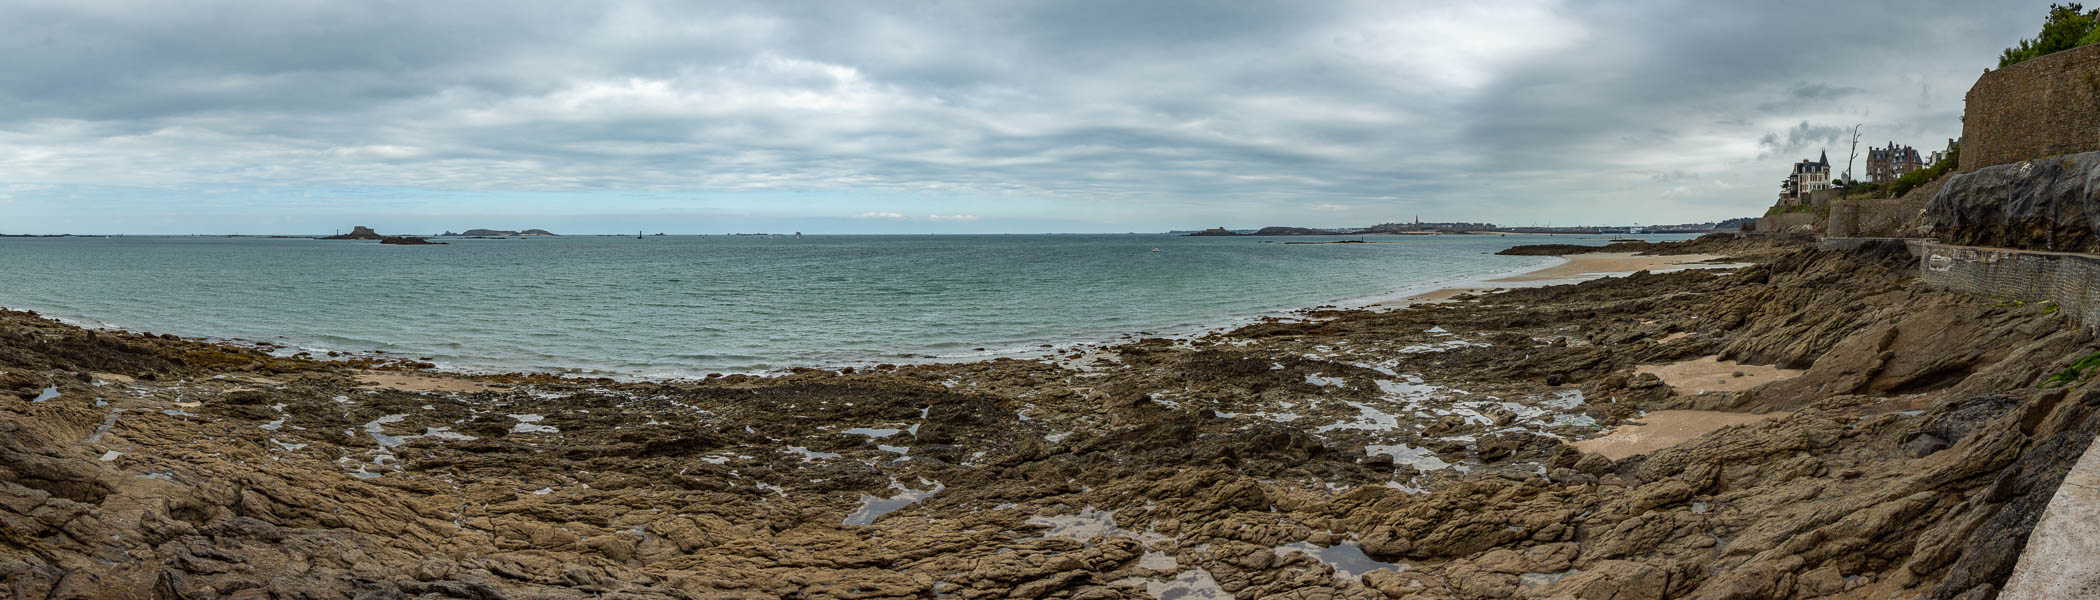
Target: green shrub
<point>1797,208</point>
<point>2068,26</point>
<point>1913,179</point>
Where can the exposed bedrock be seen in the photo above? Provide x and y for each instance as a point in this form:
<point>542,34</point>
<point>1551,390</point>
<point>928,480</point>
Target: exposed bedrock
<point>2042,204</point>
<point>1296,458</point>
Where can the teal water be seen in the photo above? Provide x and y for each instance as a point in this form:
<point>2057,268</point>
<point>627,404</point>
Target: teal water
<point>681,306</point>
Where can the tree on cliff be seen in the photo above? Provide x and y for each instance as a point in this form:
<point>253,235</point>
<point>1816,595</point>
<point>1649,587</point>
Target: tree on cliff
<point>2068,26</point>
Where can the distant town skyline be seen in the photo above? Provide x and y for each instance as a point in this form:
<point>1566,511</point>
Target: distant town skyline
<point>1022,117</point>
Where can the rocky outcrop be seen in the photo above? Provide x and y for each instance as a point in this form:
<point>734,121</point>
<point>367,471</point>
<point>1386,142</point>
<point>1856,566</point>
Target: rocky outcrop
<point>408,240</point>
<point>499,233</point>
<point>359,232</point>
<point>1432,436</point>
<point>2043,204</point>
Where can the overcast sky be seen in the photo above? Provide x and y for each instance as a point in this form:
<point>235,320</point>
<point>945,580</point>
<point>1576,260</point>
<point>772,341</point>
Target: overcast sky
<point>992,116</point>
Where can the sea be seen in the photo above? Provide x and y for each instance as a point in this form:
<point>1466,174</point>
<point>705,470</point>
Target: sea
<point>684,306</point>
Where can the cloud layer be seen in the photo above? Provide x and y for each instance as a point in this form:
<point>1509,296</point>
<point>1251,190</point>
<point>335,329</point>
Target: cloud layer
<point>1103,116</point>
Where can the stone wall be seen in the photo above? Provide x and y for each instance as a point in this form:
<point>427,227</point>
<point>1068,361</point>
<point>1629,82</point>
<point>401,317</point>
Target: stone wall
<point>2042,107</point>
<point>1901,217</point>
<point>2070,280</point>
<point>1798,222</point>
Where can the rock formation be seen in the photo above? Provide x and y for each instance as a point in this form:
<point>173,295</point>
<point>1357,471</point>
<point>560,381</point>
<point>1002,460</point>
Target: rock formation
<point>2042,204</point>
<point>1918,449</point>
<point>359,232</point>
<point>500,233</point>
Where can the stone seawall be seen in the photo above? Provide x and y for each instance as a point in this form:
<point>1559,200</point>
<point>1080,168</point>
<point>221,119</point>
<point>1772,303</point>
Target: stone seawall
<point>1786,223</point>
<point>2042,107</point>
<point>2070,280</point>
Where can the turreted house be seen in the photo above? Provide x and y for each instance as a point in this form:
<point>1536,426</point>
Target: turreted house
<point>1887,164</point>
<point>1808,177</point>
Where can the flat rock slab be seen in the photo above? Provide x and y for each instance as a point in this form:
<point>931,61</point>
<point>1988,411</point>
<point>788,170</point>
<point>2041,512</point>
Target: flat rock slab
<point>1663,429</point>
<point>2062,559</point>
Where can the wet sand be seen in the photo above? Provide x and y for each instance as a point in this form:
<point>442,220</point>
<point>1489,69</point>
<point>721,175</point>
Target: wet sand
<point>1608,263</point>
<point>1664,429</point>
<point>1711,374</point>
<point>1579,267</point>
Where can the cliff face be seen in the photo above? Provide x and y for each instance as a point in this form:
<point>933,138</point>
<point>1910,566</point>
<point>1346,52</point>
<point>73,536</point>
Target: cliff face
<point>2043,204</point>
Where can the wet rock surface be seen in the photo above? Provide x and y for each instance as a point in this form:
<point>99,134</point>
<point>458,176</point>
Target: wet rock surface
<point>1415,453</point>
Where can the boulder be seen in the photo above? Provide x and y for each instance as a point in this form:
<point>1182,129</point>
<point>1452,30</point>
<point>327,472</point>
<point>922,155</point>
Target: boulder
<point>2042,204</point>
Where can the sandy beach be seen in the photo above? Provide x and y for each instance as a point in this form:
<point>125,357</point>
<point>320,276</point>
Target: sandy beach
<point>1575,268</point>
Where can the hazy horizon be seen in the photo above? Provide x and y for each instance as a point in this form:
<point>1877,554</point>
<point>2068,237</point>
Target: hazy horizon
<point>1013,117</point>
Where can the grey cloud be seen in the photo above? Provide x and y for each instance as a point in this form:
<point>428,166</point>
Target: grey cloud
<point>1666,110</point>
<point>1803,138</point>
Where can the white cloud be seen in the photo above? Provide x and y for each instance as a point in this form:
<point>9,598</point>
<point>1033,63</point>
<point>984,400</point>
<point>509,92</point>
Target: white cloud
<point>880,215</point>
<point>951,217</point>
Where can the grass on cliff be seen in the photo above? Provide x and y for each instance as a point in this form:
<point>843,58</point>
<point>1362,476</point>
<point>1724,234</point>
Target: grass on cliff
<point>1820,211</point>
<point>2078,372</point>
<point>2067,26</point>
<point>1910,181</point>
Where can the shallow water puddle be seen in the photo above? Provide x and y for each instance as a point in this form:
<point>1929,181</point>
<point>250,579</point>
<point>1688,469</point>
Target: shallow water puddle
<point>1422,459</point>
<point>1538,579</point>
<point>1347,558</point>
<point>1154,560</point>
<point>50,392</point>
<point>1193,584</point>
<point>376,427</point>
<point>872,508</point>
<point>1372,420</point>
<point>874,432</point>
<point>529,423</point>
<point>1091,523</point>
<point>810,455</point>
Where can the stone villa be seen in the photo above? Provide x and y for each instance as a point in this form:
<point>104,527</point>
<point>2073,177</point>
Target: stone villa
<point>1886,164</point>
<point>1808,177</point>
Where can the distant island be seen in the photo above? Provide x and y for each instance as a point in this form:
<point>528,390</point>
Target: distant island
<point>364,233</point>
<point>498,233</point>
<point>1423,228</point>
<point>359,232</point>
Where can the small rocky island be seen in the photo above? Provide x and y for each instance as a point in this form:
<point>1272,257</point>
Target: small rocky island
<point>499,233</point>
<point>359,232</point>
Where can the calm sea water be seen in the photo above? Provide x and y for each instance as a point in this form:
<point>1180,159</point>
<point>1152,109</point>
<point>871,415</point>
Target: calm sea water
<point>682,306</point>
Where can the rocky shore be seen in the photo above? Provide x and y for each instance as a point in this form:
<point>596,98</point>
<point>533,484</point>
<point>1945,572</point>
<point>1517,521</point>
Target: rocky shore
<point>1894,442</point>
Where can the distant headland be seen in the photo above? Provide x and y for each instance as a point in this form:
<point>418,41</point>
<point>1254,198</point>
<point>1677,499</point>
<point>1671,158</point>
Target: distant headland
<point>1422,228</point>
<point>499,233</point>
